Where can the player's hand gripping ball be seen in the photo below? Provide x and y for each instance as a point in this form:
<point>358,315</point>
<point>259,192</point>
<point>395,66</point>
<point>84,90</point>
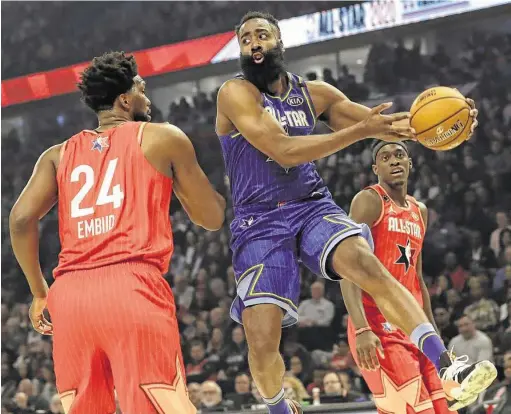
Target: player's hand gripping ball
<point>443,118</point>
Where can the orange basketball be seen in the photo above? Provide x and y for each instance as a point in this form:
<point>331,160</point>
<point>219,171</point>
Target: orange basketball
<point>441,118</point>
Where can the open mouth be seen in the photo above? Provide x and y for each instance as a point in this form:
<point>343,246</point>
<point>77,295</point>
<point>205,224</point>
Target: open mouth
<point>258,57</point>
<point>397,171</point>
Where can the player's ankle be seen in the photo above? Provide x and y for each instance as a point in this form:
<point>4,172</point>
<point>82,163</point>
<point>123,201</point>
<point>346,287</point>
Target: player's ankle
<point>278,403</point>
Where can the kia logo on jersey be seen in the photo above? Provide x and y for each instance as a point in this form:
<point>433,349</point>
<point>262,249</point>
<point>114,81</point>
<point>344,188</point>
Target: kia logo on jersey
<point>295,100</point>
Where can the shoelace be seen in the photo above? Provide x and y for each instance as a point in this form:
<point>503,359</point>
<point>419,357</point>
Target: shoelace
<point>458,365</point>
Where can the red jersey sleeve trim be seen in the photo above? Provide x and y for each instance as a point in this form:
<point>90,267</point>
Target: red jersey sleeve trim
<point>62,150</point>
<point>377,189</point>
<point>140,131</point>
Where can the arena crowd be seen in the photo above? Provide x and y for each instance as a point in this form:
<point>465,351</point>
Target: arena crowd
<point>467,251</point>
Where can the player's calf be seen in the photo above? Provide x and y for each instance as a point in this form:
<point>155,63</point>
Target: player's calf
<point>263,330</point>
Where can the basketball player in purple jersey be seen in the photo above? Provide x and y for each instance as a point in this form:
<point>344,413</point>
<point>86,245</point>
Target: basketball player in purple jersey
<point>284,214</point>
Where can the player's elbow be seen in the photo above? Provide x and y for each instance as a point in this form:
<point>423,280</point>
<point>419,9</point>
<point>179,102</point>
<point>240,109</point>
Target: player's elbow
<point>213,223</point>
<point>287,154</point>
<point>19,220</point>
<point>284,156</point>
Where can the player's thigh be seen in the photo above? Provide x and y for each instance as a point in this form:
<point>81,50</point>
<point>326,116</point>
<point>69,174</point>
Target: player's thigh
<point>145,354</point>
<point>82,370</point>
<point>265,264</point>
<point>325,227</point>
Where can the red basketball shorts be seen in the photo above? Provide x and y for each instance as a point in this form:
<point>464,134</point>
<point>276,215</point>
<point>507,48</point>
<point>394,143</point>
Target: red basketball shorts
<point>116,327</point>
<point>407,382</point>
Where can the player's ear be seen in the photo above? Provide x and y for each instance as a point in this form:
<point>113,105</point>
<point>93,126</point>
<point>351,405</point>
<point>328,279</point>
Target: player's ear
<point>125,101</point>
<point>375,169</point>
<point>411,163</point>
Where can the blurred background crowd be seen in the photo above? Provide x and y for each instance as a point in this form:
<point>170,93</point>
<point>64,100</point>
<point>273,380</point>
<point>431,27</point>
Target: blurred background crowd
<point>467,250</point>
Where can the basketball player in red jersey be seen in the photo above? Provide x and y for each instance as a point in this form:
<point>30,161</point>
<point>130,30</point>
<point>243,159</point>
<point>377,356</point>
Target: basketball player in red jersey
<point>402,380</point>
<point>113,314</point>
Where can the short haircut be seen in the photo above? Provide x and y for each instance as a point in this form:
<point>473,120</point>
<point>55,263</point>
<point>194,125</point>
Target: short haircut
<point>378,144</point>
<point>258,15</point>
<point>107,77</point>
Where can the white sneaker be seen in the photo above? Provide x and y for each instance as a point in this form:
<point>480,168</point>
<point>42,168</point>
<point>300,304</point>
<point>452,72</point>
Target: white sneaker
<point>463,382</point>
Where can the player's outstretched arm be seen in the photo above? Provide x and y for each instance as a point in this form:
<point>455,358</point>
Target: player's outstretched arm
<point>426,300</point>
<point>240,102</point>
<point>365,208</point>
<point>339,112</point>
<point>36,199</point>
<point>202,203</point>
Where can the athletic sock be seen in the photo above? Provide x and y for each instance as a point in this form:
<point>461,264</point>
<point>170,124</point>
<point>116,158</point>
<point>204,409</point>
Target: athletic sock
<point>430,344</point>
<point>278,404</point>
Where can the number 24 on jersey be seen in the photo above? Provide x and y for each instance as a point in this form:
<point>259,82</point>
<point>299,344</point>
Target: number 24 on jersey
<point>107,193</point>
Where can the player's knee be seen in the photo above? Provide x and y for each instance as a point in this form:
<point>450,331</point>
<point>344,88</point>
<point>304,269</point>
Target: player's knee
<point>262,325</point>
<point>354,261</point>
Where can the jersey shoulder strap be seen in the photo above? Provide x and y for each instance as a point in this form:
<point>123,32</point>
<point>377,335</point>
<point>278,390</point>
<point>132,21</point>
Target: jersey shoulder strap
<point>384,199</point>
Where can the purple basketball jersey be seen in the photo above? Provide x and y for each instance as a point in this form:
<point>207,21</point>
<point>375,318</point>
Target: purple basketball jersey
<point>255,178</point>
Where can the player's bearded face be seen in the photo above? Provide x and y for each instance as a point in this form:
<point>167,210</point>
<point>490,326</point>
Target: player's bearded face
<point>264,73</point>
<point>141,116</point>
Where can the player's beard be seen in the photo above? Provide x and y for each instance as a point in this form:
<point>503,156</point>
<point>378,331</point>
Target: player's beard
<point>265,73</point>
<point>141,117</point>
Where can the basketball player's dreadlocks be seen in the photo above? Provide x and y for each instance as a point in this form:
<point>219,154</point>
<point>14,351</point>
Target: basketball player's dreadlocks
<point>258,15</point>
<point>106,78</point>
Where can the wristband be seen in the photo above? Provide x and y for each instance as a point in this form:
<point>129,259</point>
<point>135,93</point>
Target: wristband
<point>362,330</point>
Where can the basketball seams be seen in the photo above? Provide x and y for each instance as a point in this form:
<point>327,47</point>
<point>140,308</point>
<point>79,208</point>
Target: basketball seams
<point>452,139</point>
<point>434,100</point>
<point>444,120</point>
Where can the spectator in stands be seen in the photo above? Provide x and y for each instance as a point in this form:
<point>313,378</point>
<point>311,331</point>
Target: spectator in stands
<point>199,369</point>
<point>455,304</point>
<point>235,355</point>
<point>505,242</point>
<point>242,396</point>
<point>218,318</point>
<point>334,391</point>
<point>317,380</point>
<point>183,292</point>
<point>471,342</point>
<point>481,254</point>
<point>483,311</point>
<point>503,275</point>
<point>444,323</point>
<point>194,394</point>
<point>497,162</point>
<point>438,291</point>
<point>215,346</point>
<point>297,369</point>
<point>474,216</point>
<point>502,220</point>
<point>211,398</point>
<point>294,388</point>
<point>38,403</point>
<point>56,405</point>
<point>21,401</point>
<point>347,385</point>
<point>342,360</point>
<point>316,311</point>
<point>454,271</point>
<point>217,288</point>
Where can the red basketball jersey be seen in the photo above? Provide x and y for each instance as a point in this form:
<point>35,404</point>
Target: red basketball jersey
<point>398,235</point>
<point>113,204</point>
